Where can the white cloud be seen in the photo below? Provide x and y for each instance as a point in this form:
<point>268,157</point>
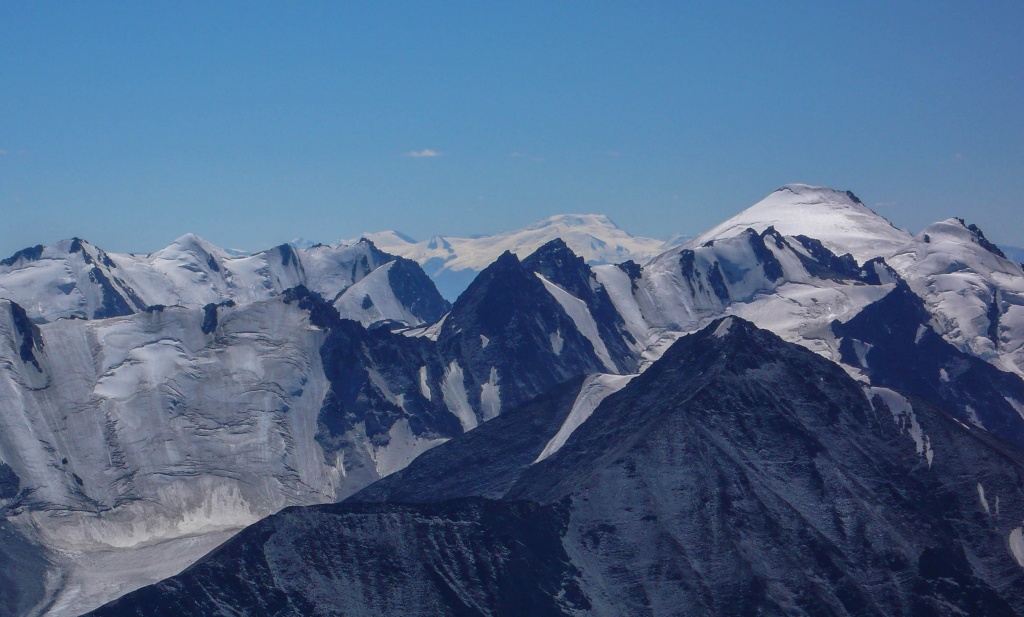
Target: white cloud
<point>426,153</point>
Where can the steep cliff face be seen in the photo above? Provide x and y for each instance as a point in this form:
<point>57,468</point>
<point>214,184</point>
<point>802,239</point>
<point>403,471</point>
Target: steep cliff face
<point>740,474</point>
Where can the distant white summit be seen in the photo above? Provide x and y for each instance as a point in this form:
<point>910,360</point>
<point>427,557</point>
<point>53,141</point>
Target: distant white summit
<point>453,262</point>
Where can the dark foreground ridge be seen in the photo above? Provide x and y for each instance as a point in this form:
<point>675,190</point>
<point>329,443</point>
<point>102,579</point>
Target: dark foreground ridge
<point>739,475</point>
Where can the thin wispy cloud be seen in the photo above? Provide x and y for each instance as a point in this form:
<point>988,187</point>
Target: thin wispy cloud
<point>426,153</point>
<point>3,152</point>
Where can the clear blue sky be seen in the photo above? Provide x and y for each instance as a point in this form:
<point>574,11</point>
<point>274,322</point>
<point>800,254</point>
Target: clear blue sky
<point>251,123</point>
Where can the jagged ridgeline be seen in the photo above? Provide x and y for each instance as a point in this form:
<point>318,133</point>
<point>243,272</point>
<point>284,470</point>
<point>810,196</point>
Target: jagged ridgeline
<point>747,421</point>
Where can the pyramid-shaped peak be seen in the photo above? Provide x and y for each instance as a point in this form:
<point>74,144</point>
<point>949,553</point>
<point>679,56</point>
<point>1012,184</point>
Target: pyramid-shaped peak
<point>836,218</point>
<point>559,264</point>
<point>190,247</point>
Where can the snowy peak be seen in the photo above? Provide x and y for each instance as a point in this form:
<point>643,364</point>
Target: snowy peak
<point>975,294</point>
<point>68,278</point>
<point>193,249</point>
<point>837,218</point>
<point>958,231</point>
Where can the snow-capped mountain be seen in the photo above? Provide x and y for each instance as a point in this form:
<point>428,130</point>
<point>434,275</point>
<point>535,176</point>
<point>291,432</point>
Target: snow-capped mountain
<point>76,279</point>
<point>297,377</point>
<point>454,262</point>
<point>838,219</point>
<point>973,292</point>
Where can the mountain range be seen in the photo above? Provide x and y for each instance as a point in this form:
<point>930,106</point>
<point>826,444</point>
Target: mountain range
<point>804,410</point>
<point>453,262</point>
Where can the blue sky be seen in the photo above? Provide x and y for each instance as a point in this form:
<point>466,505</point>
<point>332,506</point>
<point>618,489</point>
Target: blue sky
<point>252,123</point>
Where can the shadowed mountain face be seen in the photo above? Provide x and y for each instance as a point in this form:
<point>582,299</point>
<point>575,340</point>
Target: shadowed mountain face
<point>506,328</point>
<point>738,475</point>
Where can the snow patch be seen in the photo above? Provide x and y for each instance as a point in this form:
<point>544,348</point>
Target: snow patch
<point>723,328</point>
<point>903,415</point>
<point>430,332</point>
<point>484,341</point>
<point>595,389</point>
<point>556,342</point>
<point>981,497</point>
<point>577,310</point>
<point>453,391</point>
<point>424,387</point>
<point>972,417</point>
<point>921,329</point>
<point>943,375</point>
<point>861,349</point>
<point>402,447</point>
<point>1017,545</point>
<point>490,396</point>
<point>1017,406</point>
